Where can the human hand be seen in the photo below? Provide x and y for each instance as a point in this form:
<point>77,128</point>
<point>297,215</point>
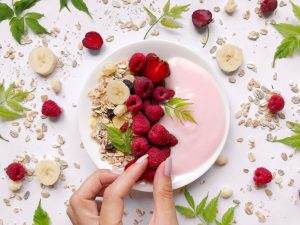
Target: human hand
<point>84,209</point>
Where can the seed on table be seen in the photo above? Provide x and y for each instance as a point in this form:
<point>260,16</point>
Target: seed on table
<point>226,192</point>
<point>222,160</point>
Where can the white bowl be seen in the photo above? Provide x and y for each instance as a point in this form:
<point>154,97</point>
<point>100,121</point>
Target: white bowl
<point>165,50</point>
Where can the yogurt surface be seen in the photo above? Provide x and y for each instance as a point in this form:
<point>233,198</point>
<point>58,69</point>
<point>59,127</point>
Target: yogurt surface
<point>197,142</point>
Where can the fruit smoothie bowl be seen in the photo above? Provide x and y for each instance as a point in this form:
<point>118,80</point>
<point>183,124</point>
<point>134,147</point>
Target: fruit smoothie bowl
<point>166,103</point>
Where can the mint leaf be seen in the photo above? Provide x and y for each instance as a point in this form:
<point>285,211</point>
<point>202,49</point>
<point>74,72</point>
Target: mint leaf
<point>64,4</point>
<point>20,96</point>
<point>22,5</point>
<point>296,126</point>
<point>293,141</point>
<point>169,23</point>
<point>189,198</point>
<point>2,138</point>
<point>296,10</point>
<point>8,114</point>
<point>177,10</point>
<point>16,106</point>
<point>17,28</point>
<point>121,141</point>
<point>34,15</point>
<point>228,216</point>
<point>286,48</point>
<point>210,211</point>
<point>185,211</point>
<point>153,18</point>
<point>166,7</point>
<point>5,12</point>
<point>201,206</point>
<point>35,26</point>
<point>288,29</point>
<point>40,216</point>
<point>81,6</point>
<point>9,90</point>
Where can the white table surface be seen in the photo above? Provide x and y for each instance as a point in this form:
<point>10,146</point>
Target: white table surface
<point>282,208</point>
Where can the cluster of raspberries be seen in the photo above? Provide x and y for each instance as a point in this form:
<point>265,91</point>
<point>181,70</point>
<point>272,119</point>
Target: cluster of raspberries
<point>151,137</point>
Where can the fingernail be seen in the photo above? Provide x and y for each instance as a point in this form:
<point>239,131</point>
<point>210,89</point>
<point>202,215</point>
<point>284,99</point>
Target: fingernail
<point>116,171</point>
<point>141,159</point>
<point>168,167</point>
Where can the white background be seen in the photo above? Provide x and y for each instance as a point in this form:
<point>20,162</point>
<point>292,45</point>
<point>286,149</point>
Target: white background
<point>282,208</point>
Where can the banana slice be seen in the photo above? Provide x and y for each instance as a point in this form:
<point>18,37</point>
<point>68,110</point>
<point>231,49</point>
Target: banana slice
<point>47,172</point>
<point>229,58</point>
<point>117,92</point>
<point>119,121</point>
<point>230,6</point>
<point>43,61</point>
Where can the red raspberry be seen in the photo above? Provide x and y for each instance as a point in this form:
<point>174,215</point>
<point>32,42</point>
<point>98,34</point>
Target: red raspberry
<point>51,109</point>
<point>134,104</point>
<point>124,127</point>
<point>154,113</point>
<point>159,135</point>
<point>149,56</point>
<point>276,103</point>
<point>139,146</point>
<point>137,62</point>
<point>166,151</point>
<point>201,18</point>
<point>130,163</point>
<point>172,140</point>
<point>155,158</point>
<point>160,94</point>
<point>143,87</point>
<point>268,6</point>
<point>16,171</point>
<point>140,124</point>
<point>171,94</point>
<point>92,40</point>
<point>149,175</point>
<point>262,176</point>
<point>161,83</point>
<point>156,69</point>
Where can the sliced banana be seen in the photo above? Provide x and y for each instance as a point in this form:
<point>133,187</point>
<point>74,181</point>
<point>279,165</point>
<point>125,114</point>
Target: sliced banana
<point>109,68</point>
<point>230,6</point>
<point>117,92</point>
<point>43,61</point>
<point>229,58</point>
<point>119,121</point>
<point>120,110</point>
<point>47,172</point>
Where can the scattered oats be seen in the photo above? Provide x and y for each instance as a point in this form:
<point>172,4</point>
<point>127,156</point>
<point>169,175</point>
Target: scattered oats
<point>116,4</point>
<point>142,24</point>
<point>44,127</point>
<point>253,35</point>
<point>40,135</point>
<point>226,192</point>
<point>81,145</point>
<point>236,201</point>
<point>26,40</point>
<point>217,9</point>
<point>284,156</point>
<point>45,194</point>
<point>44,98</point>
<point>222,160</point>
<point>20,54</point>
<point>56,86</point>
<point>232,80</point>
<point>282,4</point>
<point>78,26</point>
<point>27,138</point>
<point>241,73</point>
<point>281,172</point>
<point>105,1</point>
<point>110,38</point>
<point>61,140</point>
<point>249,208</point>
<point>76,165</point>
<point>240,140</point>
<point>213,50</point>
<point>220,41</point>
<point>268,192</point>
<point>246,170</point>
<point>261,217</point>
<point>246,15</point>
<point>74,63</point>
<point>295,99</point>
<point>14,134</point>
<point>155,33</point>
<point>275,76</point>
<point>252,67</point>
<point>291,182</point>
<point>7,202</point>
<point>294,88</point>
<point>140,212</point>
<point>26,195</point>
<point>80,46</point>
<point>251,157</point>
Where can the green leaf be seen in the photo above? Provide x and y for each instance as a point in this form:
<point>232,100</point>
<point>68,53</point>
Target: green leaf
<point>166,7</point>
<point>168,111</point>
<point>228,216</point>
<point>218,223</point>
<point>177,10</point>
<point>40,216</point>
<point>35,26</point>
<point>22,5</point>
<point>287,29</point>
<point>121,141</point>
<point>20,96</point>
<point>128,138</point>
<point>186,115</point>
<point>296,10</point>
<point>169,23</point>
<point>81,6</point>
<point>182,105</point>
<point>17,28</point>
<point>293,141</point>
<point>210,211</point>
<point>64,4</point>
<point>176,100</point>
<point>34,15</point>
<point>296,126</point>
<point>189,198</point>
<point>177,114</point>
<point>153,18</point>
<point>8,93</point>
<point>16,106</point>
<point>201,206</point>
<point>8,114</point>
<point>187,212</point>
<point>286,48</point>
<point>2,91</point>
<point>5,12</point>
<point>2,138</point>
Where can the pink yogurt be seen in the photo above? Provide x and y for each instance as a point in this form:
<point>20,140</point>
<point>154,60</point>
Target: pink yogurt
<point>197,142</point>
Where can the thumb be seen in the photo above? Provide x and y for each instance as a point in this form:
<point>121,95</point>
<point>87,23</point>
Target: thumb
<point>164,207</point>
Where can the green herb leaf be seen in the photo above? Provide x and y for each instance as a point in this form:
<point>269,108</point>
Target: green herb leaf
<point>64,4</point>
<point>35,26</point>
<point>201,206</point>
<point>2,138</point>
<point>296,10</point>
<point>287,48</point>
<point>34,15</point>
<point>121,141</point>
<point>8,114</point>
<point>166,7</point>
<point>153,18</point>
<point>2,91</point>
<point>5,12</point>
<point>169,23</point>
<point>168,112</point>
<point>81,6</point>
<point>296,126</point>
<point>228,216</point>
<point>20,96</point>
<point>17,28</point>
<point>287,29</point>
<point>16,106</point>
<point>22,5</point>
<point>293,141</point>
<point>210,211</point>
<point>8,93</point>
<point>176,100</point>
<point>187,212</point>
<point>177,10</point>
<point>40,216</point>
<point>189,198</point>
<point>218,223</point>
